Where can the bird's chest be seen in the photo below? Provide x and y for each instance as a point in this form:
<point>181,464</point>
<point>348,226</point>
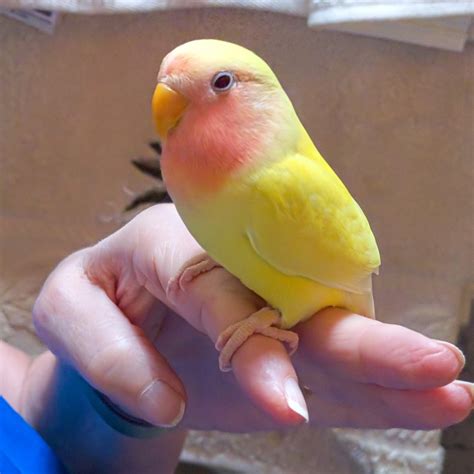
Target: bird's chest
<point>219,224</point>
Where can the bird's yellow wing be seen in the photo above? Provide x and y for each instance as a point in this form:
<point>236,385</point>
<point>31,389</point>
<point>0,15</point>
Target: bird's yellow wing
<point>304,222</point>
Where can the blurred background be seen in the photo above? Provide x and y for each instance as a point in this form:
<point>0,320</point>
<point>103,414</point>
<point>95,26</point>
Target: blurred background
<point>394,119</point>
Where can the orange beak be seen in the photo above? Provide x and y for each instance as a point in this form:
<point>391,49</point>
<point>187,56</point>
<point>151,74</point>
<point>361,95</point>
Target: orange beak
<point>168,107</point>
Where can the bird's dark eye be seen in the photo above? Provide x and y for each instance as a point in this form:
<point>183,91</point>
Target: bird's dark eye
<point>223,81</point>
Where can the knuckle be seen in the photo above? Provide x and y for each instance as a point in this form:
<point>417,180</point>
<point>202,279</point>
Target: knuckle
<point>53,301</point>
<point>48,305</point>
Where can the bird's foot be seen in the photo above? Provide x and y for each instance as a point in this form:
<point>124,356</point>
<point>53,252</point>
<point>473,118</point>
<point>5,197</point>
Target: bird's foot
<point>261,322</point>
<point>198,265</point>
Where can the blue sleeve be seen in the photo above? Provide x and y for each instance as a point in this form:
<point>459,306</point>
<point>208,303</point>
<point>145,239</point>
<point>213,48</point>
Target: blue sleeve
<point>22,450</point>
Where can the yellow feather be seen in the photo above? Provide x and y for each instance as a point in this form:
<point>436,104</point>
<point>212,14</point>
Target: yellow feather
<point>291,232</point>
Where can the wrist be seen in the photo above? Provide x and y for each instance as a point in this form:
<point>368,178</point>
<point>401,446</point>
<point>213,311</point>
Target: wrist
<point>59,407</point>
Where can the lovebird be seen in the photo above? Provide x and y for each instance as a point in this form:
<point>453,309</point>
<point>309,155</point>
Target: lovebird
<point>253,190</point>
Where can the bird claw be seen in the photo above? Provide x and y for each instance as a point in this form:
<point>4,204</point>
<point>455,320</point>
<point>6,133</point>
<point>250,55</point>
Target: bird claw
<point>192,269</point>
<point>260,322</point>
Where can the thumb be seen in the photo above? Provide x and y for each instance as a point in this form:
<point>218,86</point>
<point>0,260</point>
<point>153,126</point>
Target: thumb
<point>82,326</point>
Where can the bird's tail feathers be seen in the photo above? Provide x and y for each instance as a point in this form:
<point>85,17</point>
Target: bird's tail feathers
<point>361,303</point>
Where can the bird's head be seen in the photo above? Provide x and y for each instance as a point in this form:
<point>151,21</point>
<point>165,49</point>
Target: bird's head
<point>209,76</point>
<point>218,106</point>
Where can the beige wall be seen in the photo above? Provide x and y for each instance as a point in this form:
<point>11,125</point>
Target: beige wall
<point>394,120</point>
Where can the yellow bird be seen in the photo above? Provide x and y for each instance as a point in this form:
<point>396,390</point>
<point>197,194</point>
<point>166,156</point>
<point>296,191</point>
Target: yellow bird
<point>255,192</point>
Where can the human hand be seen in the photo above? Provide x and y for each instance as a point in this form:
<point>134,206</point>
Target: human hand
<point>105,310</point>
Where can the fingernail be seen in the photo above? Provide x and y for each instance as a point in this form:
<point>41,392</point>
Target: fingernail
<point>469,387</point>
<point>161,405</point>
<point>295,399</point>
<point>456,351</point>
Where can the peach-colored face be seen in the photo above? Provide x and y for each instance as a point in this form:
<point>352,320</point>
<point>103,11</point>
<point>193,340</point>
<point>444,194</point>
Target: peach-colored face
<point>224,126</point>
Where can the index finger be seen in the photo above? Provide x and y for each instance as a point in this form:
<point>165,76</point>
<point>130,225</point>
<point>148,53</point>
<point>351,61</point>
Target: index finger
<point>261,365</point>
